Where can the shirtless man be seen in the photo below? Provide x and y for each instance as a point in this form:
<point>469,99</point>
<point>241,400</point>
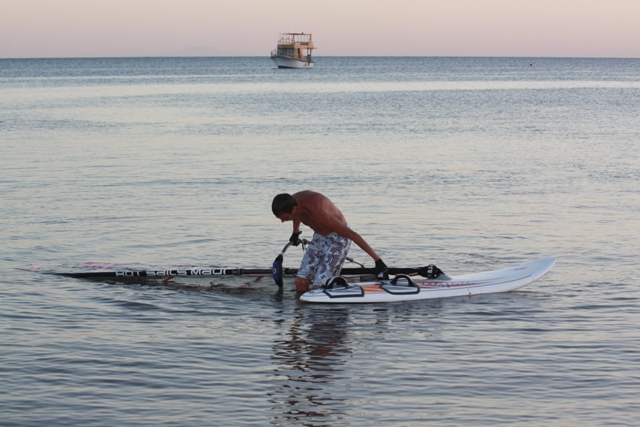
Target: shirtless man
<point>331,240</point>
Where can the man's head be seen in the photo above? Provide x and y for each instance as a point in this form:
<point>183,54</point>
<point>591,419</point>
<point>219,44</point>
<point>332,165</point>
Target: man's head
<point>283,205</point>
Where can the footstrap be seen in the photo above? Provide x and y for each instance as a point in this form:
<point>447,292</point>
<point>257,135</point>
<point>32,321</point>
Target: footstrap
<point>395,280</point>
<point>401,285</point>
<point>334,282</point>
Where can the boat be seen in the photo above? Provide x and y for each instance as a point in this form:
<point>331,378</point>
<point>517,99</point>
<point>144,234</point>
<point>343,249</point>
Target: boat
<point>293,51</point>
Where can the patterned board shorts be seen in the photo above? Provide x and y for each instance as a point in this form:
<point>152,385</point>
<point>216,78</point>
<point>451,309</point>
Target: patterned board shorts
<point>324,257</point>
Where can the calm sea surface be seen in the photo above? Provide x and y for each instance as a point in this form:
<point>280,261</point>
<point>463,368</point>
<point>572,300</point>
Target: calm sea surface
<point>470,163</point>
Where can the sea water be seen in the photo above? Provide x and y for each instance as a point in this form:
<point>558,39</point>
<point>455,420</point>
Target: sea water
<point>473,164</point>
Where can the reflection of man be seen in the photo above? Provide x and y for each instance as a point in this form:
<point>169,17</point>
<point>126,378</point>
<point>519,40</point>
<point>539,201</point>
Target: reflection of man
<point>331,240</point>
<point>310,355</point>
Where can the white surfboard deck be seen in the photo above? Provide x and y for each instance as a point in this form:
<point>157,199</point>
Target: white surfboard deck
<point>488,282</point>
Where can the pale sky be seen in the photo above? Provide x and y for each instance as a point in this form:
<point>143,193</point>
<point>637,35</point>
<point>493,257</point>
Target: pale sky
<point>108,28</point>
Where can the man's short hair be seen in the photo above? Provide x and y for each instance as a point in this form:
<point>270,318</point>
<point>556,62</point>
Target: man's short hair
<point>283,203</point>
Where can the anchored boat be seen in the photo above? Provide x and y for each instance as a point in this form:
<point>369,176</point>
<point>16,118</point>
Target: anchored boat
<point>293,51</point>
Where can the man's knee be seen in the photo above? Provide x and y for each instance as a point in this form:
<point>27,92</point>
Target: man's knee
<point>302,284</point>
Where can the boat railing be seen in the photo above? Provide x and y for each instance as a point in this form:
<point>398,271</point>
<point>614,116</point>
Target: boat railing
<point>295,38</point>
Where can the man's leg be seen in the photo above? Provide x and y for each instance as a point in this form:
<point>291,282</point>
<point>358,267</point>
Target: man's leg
<point>335,253</point>
<point>309,264</point>
<point>302,284</point>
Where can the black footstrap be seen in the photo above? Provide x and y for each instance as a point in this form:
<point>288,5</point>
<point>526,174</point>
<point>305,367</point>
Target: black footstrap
<point>335,282</point>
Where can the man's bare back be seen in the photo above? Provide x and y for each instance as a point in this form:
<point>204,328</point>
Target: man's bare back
<point>318,212</point>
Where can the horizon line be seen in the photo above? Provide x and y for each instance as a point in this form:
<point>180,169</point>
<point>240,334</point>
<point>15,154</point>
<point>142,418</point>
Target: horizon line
<point>320,56</point>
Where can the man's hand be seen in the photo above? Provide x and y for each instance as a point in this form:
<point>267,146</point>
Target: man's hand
<point>295,238</point>
<point>381,270</point>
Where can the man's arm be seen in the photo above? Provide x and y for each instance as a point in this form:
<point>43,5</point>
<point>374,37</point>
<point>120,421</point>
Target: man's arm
<point>358,240</point>
<point>336,226</point>
<point>381,269</point>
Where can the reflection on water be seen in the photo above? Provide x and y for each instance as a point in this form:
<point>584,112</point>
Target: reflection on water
<point>309,358</point>
<point>322,369</point>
